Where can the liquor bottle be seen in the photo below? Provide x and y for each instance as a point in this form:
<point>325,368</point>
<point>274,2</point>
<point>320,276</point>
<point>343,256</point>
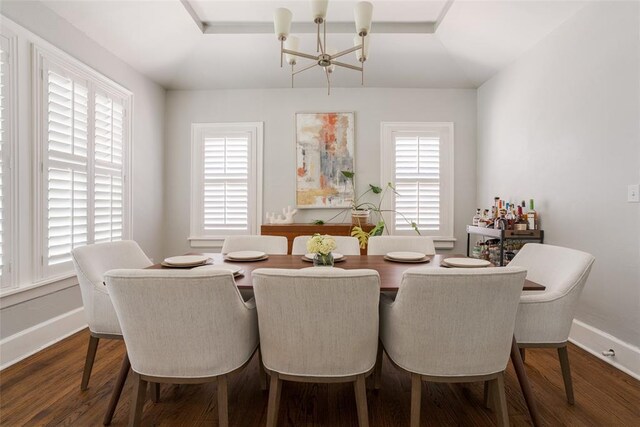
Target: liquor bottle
<point>511,219</point>
<point>521,223</point>
<point>495,211</point>
<point>532,216</point>
<point>482,222</point>
<point>501,222</point>
<point>476,218</point>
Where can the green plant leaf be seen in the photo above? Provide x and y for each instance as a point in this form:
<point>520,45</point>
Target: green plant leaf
<point>415,227</point>
<point>318,222</point>
<point>378,229</point>
<point>375,189</point>
<point>347,174</point>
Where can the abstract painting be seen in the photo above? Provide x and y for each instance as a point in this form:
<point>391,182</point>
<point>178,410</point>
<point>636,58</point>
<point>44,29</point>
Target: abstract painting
<point>324,144</point>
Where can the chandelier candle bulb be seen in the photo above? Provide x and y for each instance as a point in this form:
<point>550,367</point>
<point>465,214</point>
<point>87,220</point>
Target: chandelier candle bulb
<point>319,10</point>
<point>282,22</point>
<point>363,13</point>
<point>292,43</point>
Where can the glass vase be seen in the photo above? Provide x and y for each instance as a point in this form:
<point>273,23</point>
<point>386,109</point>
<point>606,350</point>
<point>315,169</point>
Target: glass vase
<point>323,260</point>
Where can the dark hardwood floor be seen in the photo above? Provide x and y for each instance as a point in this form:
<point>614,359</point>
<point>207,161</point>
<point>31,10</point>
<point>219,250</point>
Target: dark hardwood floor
<point>45,390</point>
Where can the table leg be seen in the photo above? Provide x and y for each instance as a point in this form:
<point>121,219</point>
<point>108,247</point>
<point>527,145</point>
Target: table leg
<point>524,383</point>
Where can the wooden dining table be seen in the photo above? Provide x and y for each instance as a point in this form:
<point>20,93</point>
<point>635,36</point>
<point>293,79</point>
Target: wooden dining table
<point>390,279</point>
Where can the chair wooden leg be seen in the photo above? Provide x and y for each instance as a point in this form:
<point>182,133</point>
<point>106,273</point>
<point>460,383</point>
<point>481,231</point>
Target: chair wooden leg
<point>154,388</point>
<point>223,405</point>
<point>88,363</point>
<point>377,373</point>
<point>488,399</point>
<point>522,354</point>
<point>563,355</point>
<point>360,389</point>
<point>416,398</point>
<point>137,400</point>
<point>500,400</point>
<point>264,385</point>
<point>117,390</point>
<point>275,390</point>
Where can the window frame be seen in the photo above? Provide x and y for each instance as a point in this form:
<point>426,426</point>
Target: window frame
<point>444,238</point>
<point>43,59</point>
<point>9,280</point>
<point>198,237</point>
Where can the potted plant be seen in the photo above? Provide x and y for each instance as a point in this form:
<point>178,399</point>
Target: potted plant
<point>363,210</point>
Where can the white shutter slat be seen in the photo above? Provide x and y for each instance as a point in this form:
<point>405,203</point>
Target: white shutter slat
<point>417,180</point>
<point>226,186</point>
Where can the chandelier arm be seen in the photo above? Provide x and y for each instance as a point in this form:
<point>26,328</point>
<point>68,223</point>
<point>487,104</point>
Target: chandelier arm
<point>342,64</point>
<point>308,67</point>
<point>326,72</point>
<point>346,52</point>
<point>300,54</point>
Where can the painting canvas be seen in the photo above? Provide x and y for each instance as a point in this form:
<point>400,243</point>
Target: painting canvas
<point>324,143</point>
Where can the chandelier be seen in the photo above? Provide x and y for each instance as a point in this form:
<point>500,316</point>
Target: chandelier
<point>325,57</point>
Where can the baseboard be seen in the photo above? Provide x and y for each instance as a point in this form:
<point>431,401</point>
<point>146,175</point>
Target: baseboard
<point>595,341</point>
<point>25,343</point>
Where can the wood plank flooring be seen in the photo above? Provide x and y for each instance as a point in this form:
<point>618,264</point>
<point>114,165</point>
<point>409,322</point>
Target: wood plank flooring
<point>45,390</point>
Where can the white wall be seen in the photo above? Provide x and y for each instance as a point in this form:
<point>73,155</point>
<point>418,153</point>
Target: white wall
<point>276,108</point>
<point>147,162</point>
<point>561,125</point>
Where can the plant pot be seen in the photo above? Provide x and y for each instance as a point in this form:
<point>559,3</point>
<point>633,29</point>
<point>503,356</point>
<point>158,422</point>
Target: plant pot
<point>320,260</point>
<point>359,216</point>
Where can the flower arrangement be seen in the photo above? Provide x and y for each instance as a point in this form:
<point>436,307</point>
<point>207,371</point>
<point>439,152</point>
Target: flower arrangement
<point>319,244</point>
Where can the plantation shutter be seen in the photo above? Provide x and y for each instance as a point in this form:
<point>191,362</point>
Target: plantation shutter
<point>108,209</point>
<point>417,181</point>
<point>3,162</point>
<point>66,166</point>
<point>226,183</point>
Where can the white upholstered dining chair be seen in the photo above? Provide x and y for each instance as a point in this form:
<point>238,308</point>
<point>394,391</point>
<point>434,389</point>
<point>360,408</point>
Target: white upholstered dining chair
<point>91,262</point>
<point>382,245</point>
<point>183,327</point>
<point>453,325</point>
<point>272,245</point>
<point>544,318</point>
<point>317,325</point>
<point>346,245</point>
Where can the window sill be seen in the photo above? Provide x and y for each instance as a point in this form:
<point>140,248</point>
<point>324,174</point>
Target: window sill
<point>14,296</point>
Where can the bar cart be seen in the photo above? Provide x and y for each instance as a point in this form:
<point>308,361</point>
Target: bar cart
<point>503,235</point>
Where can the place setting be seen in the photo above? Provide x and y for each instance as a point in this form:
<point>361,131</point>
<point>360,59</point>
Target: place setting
<point>464,263</point>
<point>407,257</point>
<point>236,270</point>
<point>246,256</point>
<point>186,261</point>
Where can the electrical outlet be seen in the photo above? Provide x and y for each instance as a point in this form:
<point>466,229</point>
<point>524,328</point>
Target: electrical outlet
<point>633,193</point>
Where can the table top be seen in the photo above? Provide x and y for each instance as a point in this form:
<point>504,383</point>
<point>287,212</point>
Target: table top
<point>390,272</point>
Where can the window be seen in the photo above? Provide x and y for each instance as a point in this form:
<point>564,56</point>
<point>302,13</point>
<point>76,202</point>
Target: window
<point>418,159</point>
<point>7,111</point>
<point>84,132</point>
<point>226,168</point>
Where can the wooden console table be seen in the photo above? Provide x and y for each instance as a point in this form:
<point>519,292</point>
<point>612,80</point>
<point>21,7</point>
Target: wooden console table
<point>291,231</point>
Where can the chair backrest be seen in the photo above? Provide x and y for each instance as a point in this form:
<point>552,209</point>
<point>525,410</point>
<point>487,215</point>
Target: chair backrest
<point>272,245</point>
<point>346,245</point>
<point>453,322</point>
<point>546,317</point>
<point>92,261</point>
<point>381,245</point>
<point>318,321</point>
<point>560,269</point>
<point>183,323</point>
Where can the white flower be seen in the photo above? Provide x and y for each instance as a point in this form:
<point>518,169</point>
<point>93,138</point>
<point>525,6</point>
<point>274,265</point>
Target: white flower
<point>319,244</point>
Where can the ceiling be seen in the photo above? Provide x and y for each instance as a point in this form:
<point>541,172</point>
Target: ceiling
<point>468,42</point>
